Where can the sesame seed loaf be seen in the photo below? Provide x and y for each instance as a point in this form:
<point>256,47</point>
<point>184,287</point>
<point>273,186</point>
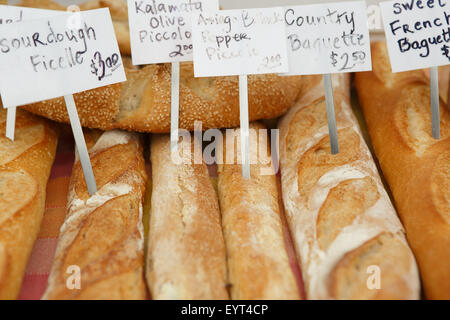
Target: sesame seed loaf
<point>143,102</point>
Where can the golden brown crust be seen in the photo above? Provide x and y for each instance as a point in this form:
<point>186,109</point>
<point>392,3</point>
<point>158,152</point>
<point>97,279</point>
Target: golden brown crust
<point>258,264</point>
<point>143,102</point>
<point>103,234</point>
<point>340,216</point>
<point>186,250</point>
<point>396,108</point>
<point>24,171</point>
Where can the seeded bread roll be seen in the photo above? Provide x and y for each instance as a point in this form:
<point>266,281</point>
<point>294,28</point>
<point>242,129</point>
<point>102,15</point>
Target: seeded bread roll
<point>346,232</point>
<point>24,171</point>
<point>416,166</point>
<point>186,250</point>
<point>258,263</point>
<point>103,234</point>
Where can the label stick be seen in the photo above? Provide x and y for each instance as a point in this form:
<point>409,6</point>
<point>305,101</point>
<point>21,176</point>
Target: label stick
<point>435,116</point>
<point>245,135</point>
<point>175,106</point>
<point>10,122</point>
<point>81,144</point>
<point>331,115</point>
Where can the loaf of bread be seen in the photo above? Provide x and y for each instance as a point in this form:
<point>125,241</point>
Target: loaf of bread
<point>416,166</point>
<point>258,264</point>
<point>102,237</point>
<point>347,235</point>
<point>24,171</point>
<point>186,249</point>
<point>143,102</point>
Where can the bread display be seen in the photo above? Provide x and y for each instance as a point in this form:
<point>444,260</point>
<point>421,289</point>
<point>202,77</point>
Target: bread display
<point>258,264</point>
<point>186,256</point>
<point>340,215</point>
<point>24,170</point>
<point>142,103</point>
<point>102,235</point>
<point>416,166</point>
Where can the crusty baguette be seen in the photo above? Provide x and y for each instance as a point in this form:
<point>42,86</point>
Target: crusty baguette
<point>103,234</point>
<point>344,226</point>
<point>186,250</point>
<point>258,264</point>
<point>417,167</point>
<point>24,171</point>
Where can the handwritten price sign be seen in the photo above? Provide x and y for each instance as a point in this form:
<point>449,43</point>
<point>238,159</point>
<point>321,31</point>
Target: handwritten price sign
<point>417,33</point>
<point>328,38</point>
<point>57,56</point>
<point>161,31</point>
<point>238,42</point>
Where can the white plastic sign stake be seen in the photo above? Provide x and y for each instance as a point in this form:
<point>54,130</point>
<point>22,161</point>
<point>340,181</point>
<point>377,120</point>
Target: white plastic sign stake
<point>162,32</point>
<point>328,38</point>
<point>80,144</point>
<point>418,37</point>
<point>240,42</point>
<point>435,115</point>
<point>59,56</point>
<point>331,114</point>
<point>244,121</point>
<point>11,14</point>
<point>175,106</point>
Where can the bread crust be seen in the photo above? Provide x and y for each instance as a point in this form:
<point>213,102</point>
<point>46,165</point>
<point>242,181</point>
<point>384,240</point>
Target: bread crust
<point>103,234</point>
<point>258,263</point>
<point>25,166</point>
<point>339,213</point>
<point>186,250</point>
<point>417,167</point>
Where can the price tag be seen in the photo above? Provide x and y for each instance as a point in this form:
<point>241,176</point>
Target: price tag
<point>418,36</point>
<point>238,42</point>
<point>328,38</point>
<point>8,15</point>
<point>161,31</point>
<point>52,57</point>
<point>417,33</point>
<point>57,56</point>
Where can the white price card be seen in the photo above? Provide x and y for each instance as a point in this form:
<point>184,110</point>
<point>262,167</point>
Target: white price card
<point>328,38</point>
<point>161,31</point>
<point>56,56</point>
<point>12,14</point>
<point>417,33</point>
<point>239,42</point>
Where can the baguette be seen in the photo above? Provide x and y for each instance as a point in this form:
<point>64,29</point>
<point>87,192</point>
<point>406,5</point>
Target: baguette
<point>25,166</point>
<point>103,234</point>
<point>347,235</point>
<point>416,167</point>
<point>186,250</point>
<point>258,263</point>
